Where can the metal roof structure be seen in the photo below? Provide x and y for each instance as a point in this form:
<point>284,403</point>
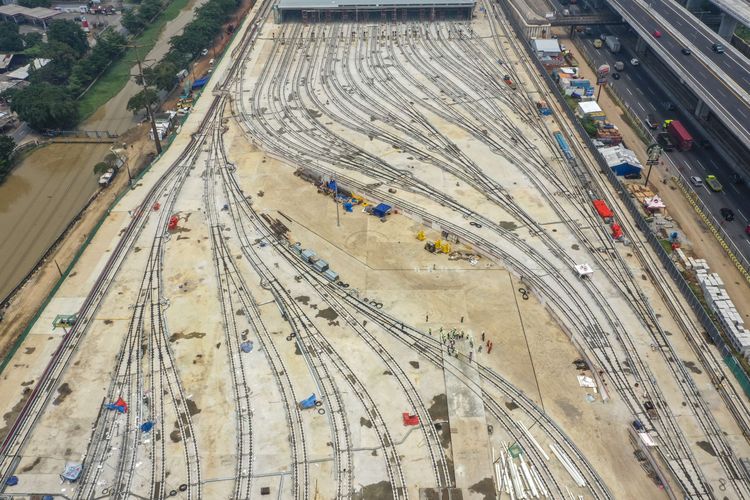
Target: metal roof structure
<point>369,4</point>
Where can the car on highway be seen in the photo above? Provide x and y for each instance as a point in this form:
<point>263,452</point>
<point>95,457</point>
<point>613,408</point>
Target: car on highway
<point>615,76</point>
<point>635,62</point>
<point>718,48</point>
<point>657,34</point>
<point>714,183</point>
<point>598,44</point>
<point>686,51</point>
<point>727,214</point>
<point>696,181</point>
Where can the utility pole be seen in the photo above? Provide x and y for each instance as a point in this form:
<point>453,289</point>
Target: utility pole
<point>654,154</point>
<point>149,113</point>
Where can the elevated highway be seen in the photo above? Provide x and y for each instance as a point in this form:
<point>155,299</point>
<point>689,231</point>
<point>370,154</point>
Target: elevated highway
<point>721,81</point>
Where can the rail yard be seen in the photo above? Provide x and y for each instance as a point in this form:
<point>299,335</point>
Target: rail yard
<point>365,268</point>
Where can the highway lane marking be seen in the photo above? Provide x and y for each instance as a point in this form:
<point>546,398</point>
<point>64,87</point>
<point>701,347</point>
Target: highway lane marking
<point>742,215</point>
<point>640,106</point>
<point>628,90</point>
<point>699,163</point>
<point>734,188</point>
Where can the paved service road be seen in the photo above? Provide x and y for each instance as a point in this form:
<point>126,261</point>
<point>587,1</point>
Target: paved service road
<point>643,96</point>
<point>723,87</point>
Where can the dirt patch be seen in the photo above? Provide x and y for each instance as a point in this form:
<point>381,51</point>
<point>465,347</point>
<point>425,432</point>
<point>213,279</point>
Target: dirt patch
<point>439,408</point>
<point>62,392</point>
<point>414,364</point>
<point>303,299</point>
<point>571,411</point>
<point>192,335</point>
<point>28,468</point>
<point>508,225</point>
<point>365,422</point>
<point>706,446</point>
<point>690,365</point>
<point>511,405</point>
<point>381,490</point>
<point>328,314</point>
<point>484,487</point>
<point>192,407</point>
<point>29,350</point>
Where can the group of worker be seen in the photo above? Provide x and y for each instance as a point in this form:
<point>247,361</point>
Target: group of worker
<point>449,338</point>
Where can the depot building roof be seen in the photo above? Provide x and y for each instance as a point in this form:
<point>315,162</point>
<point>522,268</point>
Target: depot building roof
<point>369,4</point>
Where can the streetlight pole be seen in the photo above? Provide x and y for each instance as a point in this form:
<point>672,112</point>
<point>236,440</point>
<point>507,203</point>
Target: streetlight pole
<point>149,112</point>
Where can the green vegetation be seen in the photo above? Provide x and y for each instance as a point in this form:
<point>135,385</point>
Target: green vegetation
<point>7,145</point>
<point>44,106</point>
<point>146,98</point>
<point>589,125</point>
<point>35,3</point>
<point>743,32</point>
<point>116,76</point>
<point>10,39</point>
<point>666,245</point>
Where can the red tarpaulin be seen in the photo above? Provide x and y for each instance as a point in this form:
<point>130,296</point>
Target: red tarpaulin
<point>173,222</point>
<point>410,419</point>
<point>602,209</point>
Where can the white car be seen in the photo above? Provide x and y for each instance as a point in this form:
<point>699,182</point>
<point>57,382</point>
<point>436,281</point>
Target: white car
<point>697,181</point>
<point>635,62</point>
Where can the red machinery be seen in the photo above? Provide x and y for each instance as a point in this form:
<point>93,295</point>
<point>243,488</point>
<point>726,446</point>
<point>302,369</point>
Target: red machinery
<point>602,209</point>
<point>616,230</point>
<point>410,419</point>
<point>173,223</point>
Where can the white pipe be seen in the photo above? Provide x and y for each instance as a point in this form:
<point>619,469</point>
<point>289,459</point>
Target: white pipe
<point>536,443</point>
<point>542,487</point>
<point>529,479</point>
<point>572,470</point>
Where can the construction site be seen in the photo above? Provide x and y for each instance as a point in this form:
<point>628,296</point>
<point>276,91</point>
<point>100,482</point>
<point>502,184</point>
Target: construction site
<point>369,267</point>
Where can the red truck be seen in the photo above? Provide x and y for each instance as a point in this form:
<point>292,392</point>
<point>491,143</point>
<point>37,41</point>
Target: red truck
<point>680,136</point>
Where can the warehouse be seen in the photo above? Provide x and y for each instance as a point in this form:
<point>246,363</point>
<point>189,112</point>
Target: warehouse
<point>363,10</point>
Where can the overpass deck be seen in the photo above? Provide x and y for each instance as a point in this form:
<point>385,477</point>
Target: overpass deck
<point>721,81</point>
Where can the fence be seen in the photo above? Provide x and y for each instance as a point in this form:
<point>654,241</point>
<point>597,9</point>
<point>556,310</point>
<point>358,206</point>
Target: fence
<point>635,212</point>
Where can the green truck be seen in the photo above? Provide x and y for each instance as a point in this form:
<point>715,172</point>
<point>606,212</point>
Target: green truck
<point>713,183</point>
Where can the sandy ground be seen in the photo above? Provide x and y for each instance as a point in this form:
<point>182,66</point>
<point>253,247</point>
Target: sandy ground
<point>700,241</point>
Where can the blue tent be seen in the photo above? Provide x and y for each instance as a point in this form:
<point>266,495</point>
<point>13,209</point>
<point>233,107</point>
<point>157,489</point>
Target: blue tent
<point>381,210</point>
<point>308,403</point>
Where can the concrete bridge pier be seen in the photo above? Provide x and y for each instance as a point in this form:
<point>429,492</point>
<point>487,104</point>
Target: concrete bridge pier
<point>727,26</point>
<point>693,4</point>
<point>701,110</point>
<point>640,46</point>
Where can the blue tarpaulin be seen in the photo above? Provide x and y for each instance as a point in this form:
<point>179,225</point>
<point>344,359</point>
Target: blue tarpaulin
<point>147,426</point>
<point>348,206</point>
<point>332,186</point>
<point>72,471</point>
<point>119,406</point>
<point>246,346</point>
<point>308,403</point>
<point>381,210</point>
<point>12,481</point>
<point>199,83</point>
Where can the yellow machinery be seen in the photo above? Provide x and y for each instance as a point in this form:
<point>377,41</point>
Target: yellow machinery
<point>442,246</point>
<point>421,236</point>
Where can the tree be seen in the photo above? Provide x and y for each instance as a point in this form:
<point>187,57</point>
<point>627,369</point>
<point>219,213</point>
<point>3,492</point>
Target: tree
<point>146,97</point>
<point>7,145</point>
<point>44,106</point>
<point>132,21</point>
<point>101,168</point>
<point>10,40</point>
<point>149,9</point>
<point>32,39</point>
<point>162,76</point>
<point>69,33</point>
<point>57,71</point>
<point>35,3</point>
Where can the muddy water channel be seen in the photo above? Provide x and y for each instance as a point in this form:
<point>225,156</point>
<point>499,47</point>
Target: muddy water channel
<point>37,202</point>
